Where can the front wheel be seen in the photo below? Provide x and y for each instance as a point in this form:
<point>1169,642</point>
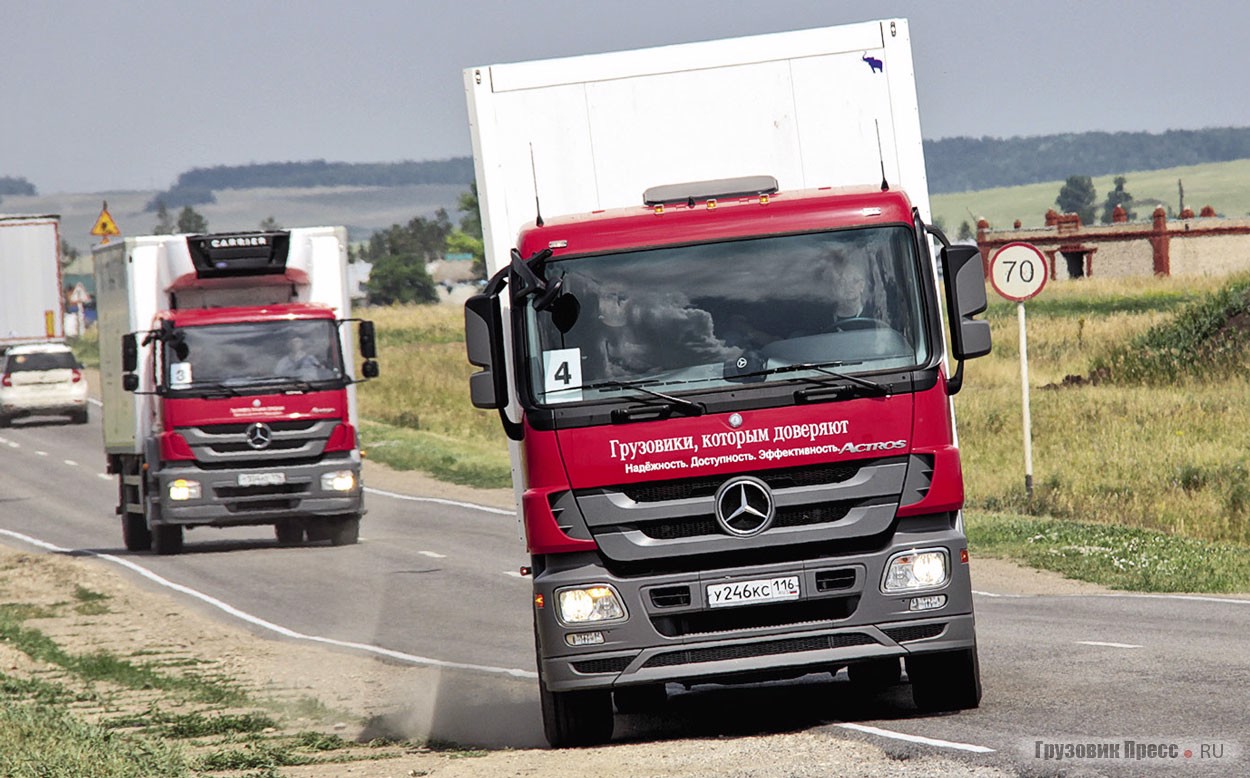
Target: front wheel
<point>135,532</point>
<point>946,681</point>
<point>573,719</point>
<point>167,539</point>
<point>345,532</point>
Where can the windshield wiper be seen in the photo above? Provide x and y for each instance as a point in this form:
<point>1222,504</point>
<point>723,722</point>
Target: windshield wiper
<point>682,405</point>
<point>826,368</point>
<point>210,388</point>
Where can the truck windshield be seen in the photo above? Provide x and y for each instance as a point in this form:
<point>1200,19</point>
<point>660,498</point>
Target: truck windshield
<point>726,314</point>
<point>298,354</point>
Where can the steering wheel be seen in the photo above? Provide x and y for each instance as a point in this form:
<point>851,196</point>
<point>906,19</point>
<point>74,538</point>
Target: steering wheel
<point>861,323</point>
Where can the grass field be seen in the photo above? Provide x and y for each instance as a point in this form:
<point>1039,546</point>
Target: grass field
<point>1221,185</point>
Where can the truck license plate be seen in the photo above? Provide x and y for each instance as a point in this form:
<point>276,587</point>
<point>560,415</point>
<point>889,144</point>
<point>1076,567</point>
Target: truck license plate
<point>262,479</point>
<point>752,592</point>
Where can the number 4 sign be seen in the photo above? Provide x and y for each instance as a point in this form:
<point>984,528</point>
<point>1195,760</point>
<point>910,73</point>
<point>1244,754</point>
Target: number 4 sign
<point>1018,271</point>
<point>562,375</point>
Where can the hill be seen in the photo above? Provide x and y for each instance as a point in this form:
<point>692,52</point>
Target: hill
<point>362,209</point>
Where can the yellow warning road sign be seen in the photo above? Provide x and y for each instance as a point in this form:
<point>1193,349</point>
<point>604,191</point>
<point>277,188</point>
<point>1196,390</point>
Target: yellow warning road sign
<point>105,226</point>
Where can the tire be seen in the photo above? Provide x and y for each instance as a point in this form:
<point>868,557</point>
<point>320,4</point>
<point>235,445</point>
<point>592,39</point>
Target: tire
<point>167,539</point>
<point>289,532</point>
<point>575,719</point>
<point>640,699</point>
<point>345,532</point>
<point>947,681</point>
<point>875,674</point>
<point>5,421</point>
<point>135,532</point>
<point>79,417</point>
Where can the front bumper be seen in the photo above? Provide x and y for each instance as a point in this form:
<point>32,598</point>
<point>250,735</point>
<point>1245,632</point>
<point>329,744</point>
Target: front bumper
<point>224,502</point>
<point>841,617</point>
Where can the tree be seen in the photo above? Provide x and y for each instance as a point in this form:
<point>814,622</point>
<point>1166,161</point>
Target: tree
<point>1118,197</point>
<point>1077,196</point>
<point>468,239</point>
<point>270,224</point>
<point>69,254</point>
<point>191,221</point>
<point>164,222</point>
<point>965,231</point>
<point>399,256</point>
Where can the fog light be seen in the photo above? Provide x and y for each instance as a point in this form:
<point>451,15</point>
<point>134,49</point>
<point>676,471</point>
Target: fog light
<point>929,603</point>
<point>584,638</point>
<point>338,481</point>
<point>916,570</point>
<point>183,489</point>
<point>590,603</point>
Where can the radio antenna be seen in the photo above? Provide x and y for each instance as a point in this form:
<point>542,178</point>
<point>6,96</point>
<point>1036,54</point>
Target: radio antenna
<point>538,213</point>
<point>885,185</point>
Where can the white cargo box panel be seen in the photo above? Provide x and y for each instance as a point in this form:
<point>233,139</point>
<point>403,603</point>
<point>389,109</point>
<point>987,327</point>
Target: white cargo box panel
<point>30,279</point>
<point>813,108</point>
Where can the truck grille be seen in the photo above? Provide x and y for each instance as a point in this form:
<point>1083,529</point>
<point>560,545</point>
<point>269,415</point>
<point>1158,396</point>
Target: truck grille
<point>720,621</point>
<point>917,632</point>
<point>597,666</point>
<point>226,445</point>
<point>825,510</point>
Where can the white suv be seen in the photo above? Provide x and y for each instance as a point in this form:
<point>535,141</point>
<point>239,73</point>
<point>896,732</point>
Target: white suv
<point>42,379</point>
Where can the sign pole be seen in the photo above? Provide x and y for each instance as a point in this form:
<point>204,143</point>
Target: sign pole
<point>1018,271</point>
<point>1027,421</point>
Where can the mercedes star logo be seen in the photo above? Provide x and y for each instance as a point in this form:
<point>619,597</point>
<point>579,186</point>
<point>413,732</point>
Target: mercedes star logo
<point>744,506</point>
<point>259,436</point>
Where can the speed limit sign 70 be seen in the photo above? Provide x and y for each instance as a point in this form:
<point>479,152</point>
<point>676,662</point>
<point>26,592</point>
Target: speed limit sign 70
<point>1018,271</point>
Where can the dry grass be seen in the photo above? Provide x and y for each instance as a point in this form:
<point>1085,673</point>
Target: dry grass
<point>1171,457</point>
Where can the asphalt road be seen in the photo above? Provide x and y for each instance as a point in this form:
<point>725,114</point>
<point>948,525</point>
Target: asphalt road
<point>435,583</point>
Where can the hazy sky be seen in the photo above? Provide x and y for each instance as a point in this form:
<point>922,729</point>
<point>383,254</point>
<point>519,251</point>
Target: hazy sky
<point>99,95</point>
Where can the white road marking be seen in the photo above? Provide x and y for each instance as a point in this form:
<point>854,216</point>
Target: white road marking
<point>513,573</point>
<point>1107,645</point>
<point>71,463</point>
<point>104,476</point>
<point>278,629</point>
<point>42,453</point>
<point>928,741</point>
<point>992,594</point>
<point>432,554</point>
<point>440,501</point>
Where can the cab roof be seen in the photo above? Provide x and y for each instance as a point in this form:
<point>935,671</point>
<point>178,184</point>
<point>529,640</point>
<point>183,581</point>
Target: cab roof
<point>710,220</point>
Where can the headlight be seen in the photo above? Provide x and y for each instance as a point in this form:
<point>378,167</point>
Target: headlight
<point>182,489</point>
<point>916,570</point>
<point>338,481</point>
<point>589,603</point>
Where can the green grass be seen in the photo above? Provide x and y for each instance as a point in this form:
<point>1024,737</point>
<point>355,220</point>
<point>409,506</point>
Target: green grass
<point>42,740</point>
<point>1115,556</point>
<point>1221,185</point>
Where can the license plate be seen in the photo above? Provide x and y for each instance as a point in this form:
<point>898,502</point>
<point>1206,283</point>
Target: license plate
<point>261,479</point>
<point>752,592</point>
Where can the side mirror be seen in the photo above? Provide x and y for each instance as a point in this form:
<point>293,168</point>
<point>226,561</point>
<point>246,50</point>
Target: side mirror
<point>130,382</point>
<point>368,341</point>
<point>369,369</point>
<point>483,339</point>
<point>965,298</point>
<point>130,353</point>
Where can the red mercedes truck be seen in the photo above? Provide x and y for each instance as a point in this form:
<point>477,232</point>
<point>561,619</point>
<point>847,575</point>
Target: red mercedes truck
<point>227,383</point>
<point>715,333</point>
